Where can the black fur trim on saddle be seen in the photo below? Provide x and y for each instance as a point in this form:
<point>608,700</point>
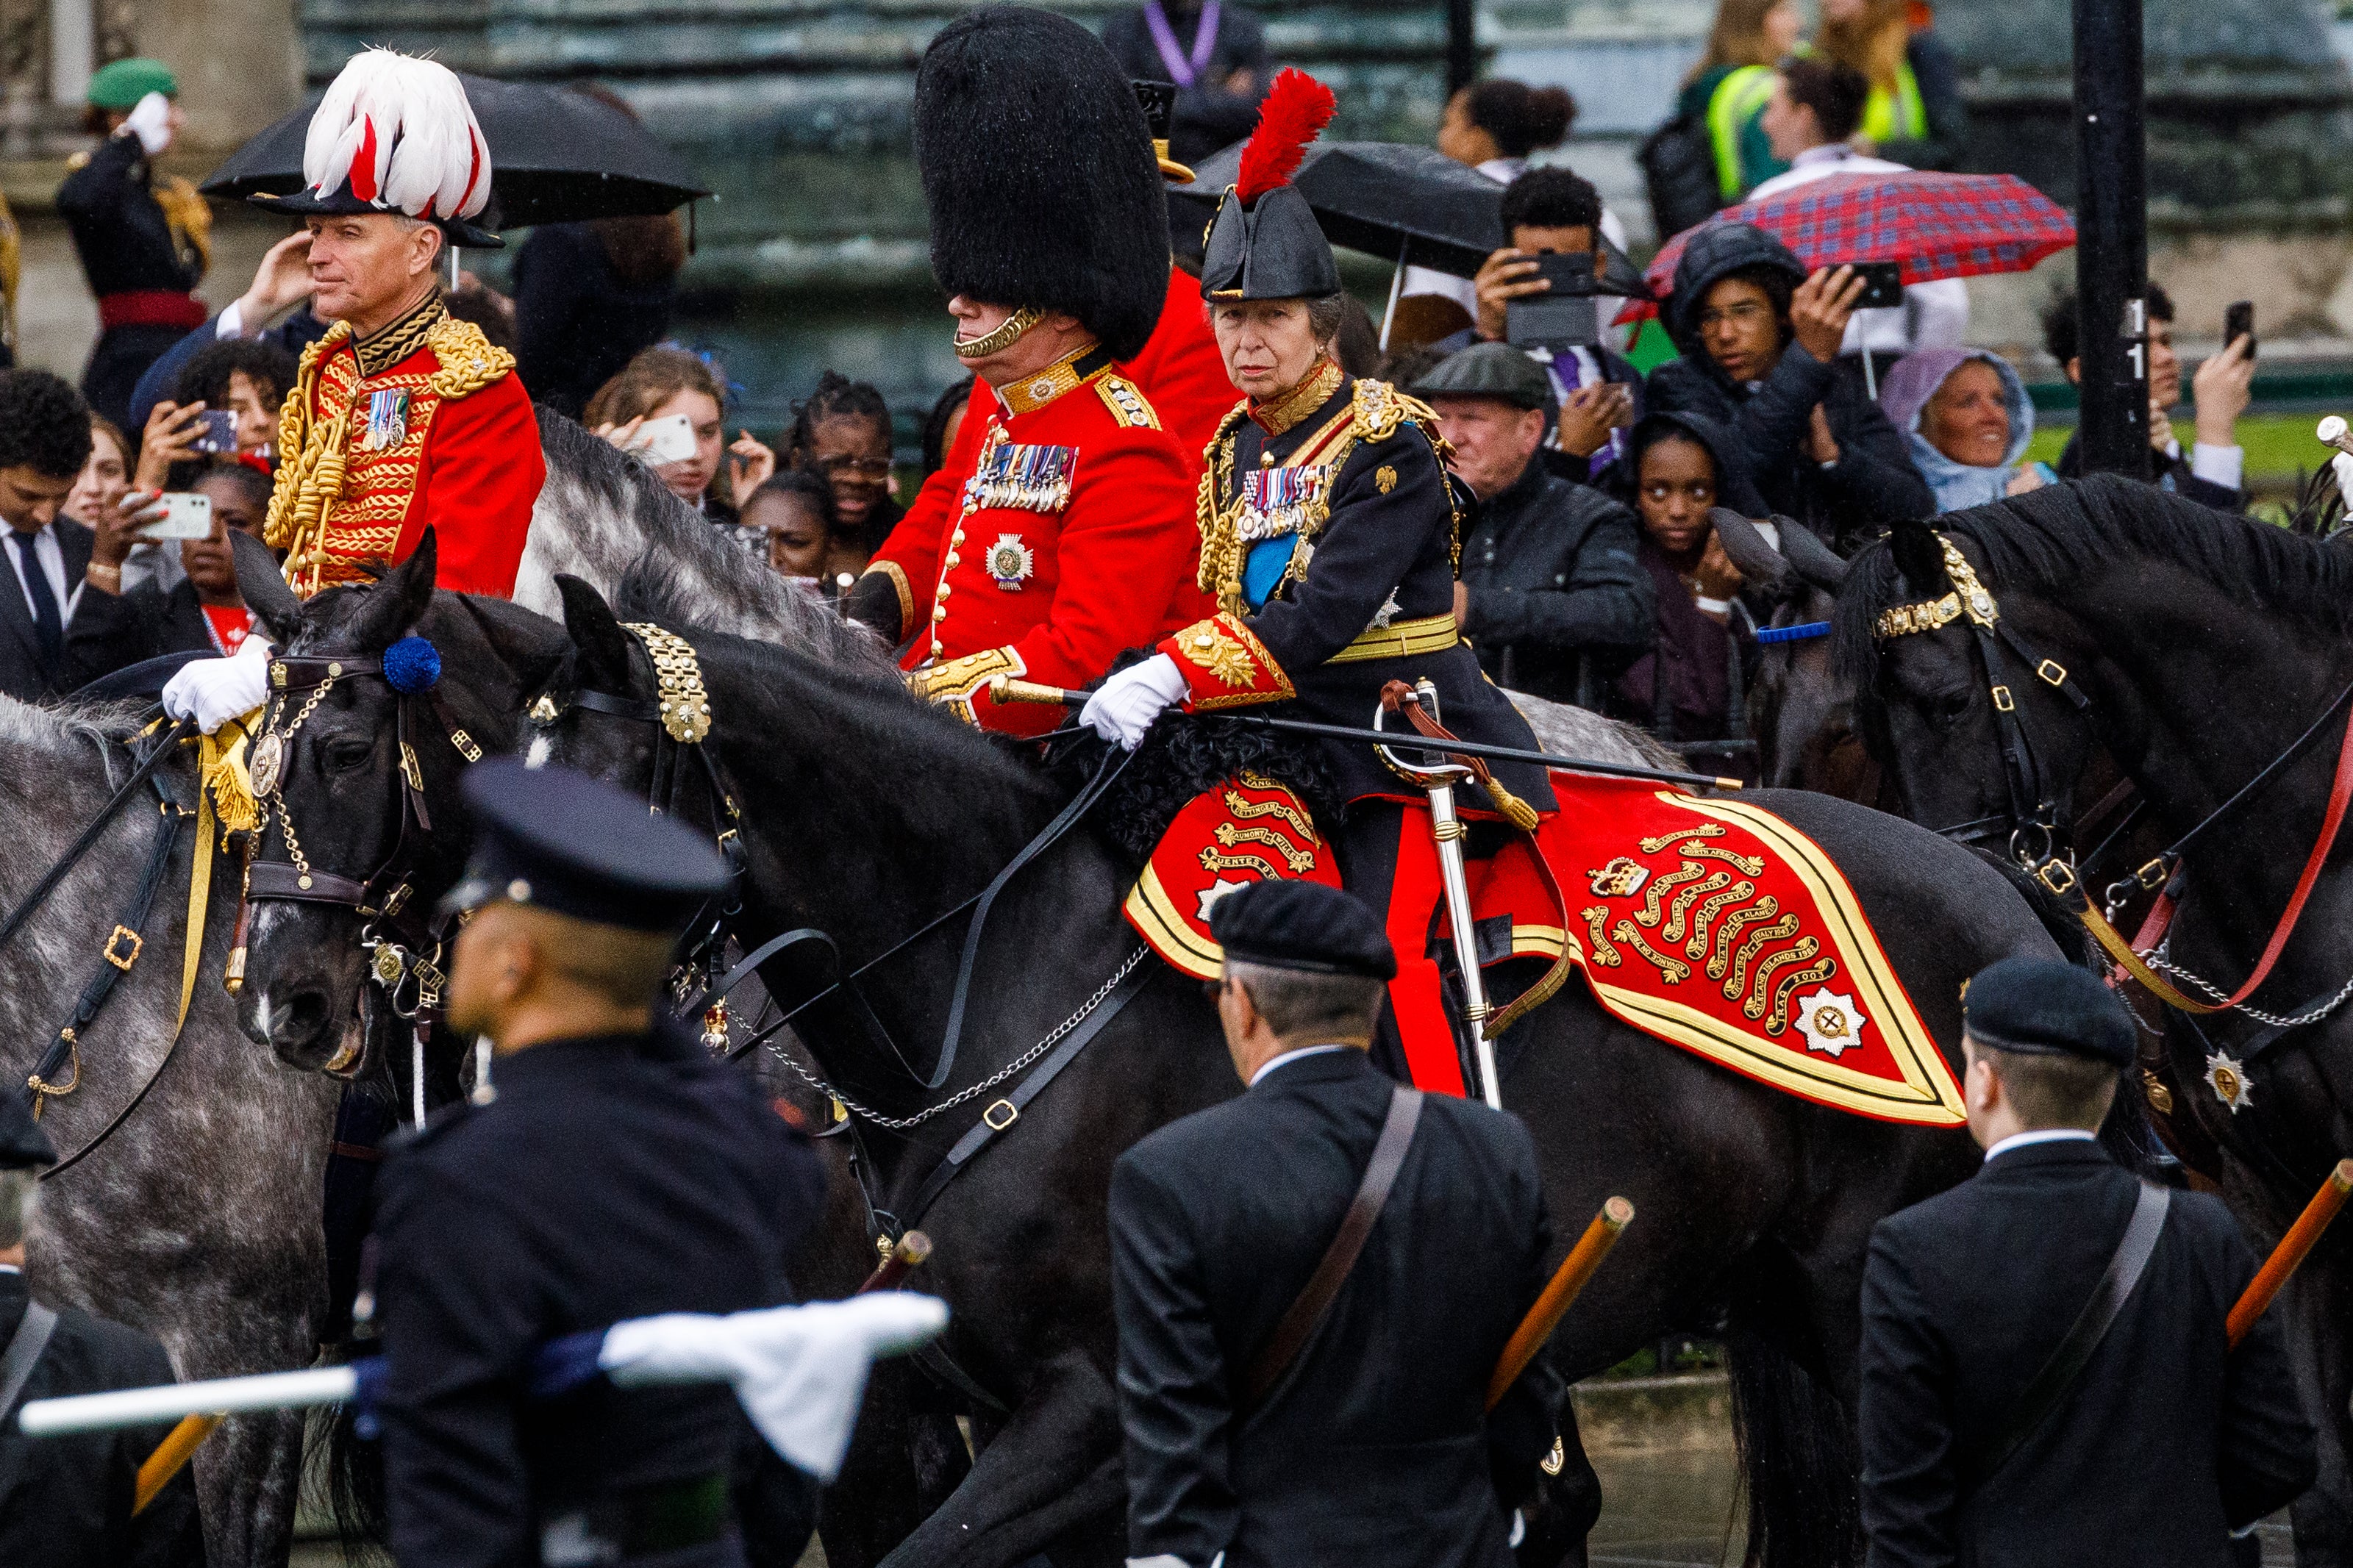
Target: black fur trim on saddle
<point>1185,755</point>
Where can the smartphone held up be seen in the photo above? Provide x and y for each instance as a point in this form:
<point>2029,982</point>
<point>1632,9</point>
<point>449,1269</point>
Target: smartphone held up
<point>179,514</point>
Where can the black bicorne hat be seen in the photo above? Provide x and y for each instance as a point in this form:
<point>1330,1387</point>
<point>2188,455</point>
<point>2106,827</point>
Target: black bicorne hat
<point>1039,173</point>
<point>1264,243</point>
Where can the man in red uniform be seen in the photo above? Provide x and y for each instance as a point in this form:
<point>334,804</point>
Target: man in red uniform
<point>402,416</point>
<point>1180,368</point>
<point>1061,530</point>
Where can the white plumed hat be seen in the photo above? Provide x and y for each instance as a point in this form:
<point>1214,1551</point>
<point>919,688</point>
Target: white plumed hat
<point>395,133</point>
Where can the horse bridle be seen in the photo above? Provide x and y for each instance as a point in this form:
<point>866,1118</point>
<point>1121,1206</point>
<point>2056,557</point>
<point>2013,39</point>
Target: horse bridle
<point>2039,832</point>
<point>680,713</point>
<point>404,943</point>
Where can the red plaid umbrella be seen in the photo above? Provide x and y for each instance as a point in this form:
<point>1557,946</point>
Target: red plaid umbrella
<point>1937,226</point>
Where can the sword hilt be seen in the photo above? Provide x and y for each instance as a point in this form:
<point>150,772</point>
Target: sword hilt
<point>1007,689</point>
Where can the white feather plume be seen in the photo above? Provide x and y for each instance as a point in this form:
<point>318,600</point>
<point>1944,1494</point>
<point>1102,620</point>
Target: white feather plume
<point>429,155</point>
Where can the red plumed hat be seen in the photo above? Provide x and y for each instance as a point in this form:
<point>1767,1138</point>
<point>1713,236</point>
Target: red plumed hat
<point>1265,242</point>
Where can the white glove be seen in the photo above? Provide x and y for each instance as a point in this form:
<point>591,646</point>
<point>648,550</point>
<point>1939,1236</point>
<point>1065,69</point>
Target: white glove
<point>1124,707</point>
<point>213,691</point>
<point>149,120</point>
<point>798,1371</point>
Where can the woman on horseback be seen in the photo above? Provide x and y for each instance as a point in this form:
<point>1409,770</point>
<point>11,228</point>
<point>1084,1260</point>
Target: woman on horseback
<point>1329,533</point>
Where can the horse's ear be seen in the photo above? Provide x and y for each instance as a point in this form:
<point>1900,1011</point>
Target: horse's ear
<point>604,661</point>
<point>399,600</point>
<point>263,587</point>
<point>1812,559</point>
<point>1920,556</point>
<point>1761,565</point>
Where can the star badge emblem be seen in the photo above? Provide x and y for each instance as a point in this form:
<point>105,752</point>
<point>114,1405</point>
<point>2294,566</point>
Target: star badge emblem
<point>2226,1075</point>
<point>1010,562</point>
<point>1216,890</point>
<point>1830,1021</point>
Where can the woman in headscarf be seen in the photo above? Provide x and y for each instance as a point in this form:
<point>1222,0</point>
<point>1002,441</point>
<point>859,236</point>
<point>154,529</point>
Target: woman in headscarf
<point>1967,420</point>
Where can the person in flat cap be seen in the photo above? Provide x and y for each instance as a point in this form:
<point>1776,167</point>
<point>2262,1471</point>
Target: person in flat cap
<point>1550,592</point>
<point>1340,1423</point>
<point>608,1168</point>
<point>2046,1378</point>
<point>1328,536</point>
<point>144,238</point>
<point>1060,530</point>
<point>64,1502</point>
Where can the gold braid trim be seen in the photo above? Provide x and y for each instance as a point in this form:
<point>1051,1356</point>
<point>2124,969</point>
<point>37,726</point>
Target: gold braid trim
<point>1220,569</point>
<point>188,214</point>
<point>468,362</point>
<point>303,448</point>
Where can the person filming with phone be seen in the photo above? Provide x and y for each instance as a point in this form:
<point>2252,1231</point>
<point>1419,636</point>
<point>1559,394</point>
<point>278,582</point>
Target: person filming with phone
<point>1760,338</point>
<point>204,611</point>
<point>1551,215</point>
<point>403,415</point>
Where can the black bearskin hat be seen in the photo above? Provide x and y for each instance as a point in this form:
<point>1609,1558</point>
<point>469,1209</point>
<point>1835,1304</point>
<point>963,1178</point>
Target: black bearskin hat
<point>1039,176</point>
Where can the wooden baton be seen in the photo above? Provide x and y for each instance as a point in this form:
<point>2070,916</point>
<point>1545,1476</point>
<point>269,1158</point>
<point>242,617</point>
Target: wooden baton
<point>1559,1294</point>
<point>902,1259</point>
<point>171,1456</point>
<point>2300,1239</point>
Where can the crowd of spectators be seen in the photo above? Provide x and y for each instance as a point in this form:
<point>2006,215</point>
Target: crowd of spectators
<point>1589,570</point>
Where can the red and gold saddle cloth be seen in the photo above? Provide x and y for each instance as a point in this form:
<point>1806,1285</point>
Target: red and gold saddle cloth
<point>1709,923</point>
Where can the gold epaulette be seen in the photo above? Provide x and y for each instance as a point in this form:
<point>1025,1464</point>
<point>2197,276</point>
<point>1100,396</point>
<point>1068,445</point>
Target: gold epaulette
<point>1130,409</point>
<point>468,362</point>
<point>1381,408</point>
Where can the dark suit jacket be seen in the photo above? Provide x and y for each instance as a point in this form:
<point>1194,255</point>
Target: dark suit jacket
<point>24,673</point>
<point>64,1502</point>
<point>109,631</point>
<point>1552,576</point>
<point>1373,1448</point>
<point>2166,1442</point>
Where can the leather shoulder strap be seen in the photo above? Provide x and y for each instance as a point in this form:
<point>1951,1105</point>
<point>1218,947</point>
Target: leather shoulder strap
<point>1300,1322</point>
<point>24,1348</point>
<point>2051,1385</point>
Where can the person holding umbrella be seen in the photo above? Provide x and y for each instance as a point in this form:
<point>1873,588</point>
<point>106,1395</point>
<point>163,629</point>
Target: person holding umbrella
<point>401,414</point>
<point>1760,338</point>
<point>144,240</point>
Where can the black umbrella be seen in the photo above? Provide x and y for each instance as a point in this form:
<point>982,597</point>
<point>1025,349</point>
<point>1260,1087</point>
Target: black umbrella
<point>557,156</point>
<point>1409,205</point>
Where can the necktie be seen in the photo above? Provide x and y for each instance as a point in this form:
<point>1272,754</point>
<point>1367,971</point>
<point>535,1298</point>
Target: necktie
<point>49,626</point>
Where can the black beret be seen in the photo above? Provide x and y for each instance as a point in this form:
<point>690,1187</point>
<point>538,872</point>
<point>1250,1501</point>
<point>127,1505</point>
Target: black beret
<point>1282,923</point>
<point>23,1145</point>
<point>1489,369</point>
<point>2043,1008</point>
<point>559,840</point>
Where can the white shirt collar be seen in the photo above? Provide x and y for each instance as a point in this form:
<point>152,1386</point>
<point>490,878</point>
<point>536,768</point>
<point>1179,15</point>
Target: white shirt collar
<point>2047,1135</point>
<point>10,1269</point>
<point>1289,1056</point>
<point>1828,152</point>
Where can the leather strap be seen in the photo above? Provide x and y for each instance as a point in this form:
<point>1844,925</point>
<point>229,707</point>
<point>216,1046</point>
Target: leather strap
<point>24,1348</point>
<point>1306,1314</point>
<point>279,880</point>
<point>2050,1385</point>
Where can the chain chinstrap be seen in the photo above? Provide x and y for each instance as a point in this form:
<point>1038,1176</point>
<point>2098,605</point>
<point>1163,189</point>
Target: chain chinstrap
<point>901,1123</point>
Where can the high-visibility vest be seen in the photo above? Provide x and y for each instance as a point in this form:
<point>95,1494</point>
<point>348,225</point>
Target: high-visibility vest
<point>1898,116</point>
<point>1732,108</point>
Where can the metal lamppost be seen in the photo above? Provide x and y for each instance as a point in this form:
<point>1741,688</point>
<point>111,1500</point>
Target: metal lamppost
<point>2112,237</point>
<point>1461,45</point>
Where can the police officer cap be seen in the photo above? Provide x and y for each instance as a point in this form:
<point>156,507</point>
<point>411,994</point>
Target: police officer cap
<point>1288,924</point>
<point>2043,1008</point>
<point>559,840</point>
<point>23,1145</point>
<point>1489,369</point>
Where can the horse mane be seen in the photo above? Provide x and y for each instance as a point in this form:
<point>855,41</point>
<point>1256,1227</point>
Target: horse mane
<point>31,728</point>
<point>2051,538</point>
<point>605,517</point>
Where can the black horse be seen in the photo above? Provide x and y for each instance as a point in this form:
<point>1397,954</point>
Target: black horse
<point>2204,648</point>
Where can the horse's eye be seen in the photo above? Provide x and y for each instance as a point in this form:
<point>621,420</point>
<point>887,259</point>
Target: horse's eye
<point>1948,710</point>
<point>342,756</point>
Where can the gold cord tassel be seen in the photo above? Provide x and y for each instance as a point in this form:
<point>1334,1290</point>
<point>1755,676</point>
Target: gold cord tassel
<point>1517,812</point>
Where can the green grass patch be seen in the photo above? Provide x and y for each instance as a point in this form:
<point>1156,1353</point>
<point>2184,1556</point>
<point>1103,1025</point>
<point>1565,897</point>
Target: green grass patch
<point>2279,446</point>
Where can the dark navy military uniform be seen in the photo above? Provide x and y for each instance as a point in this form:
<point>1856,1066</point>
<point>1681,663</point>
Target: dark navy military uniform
<point>140,264</point>
<point>1374,1448</point>
<point>608,1178</point>
<point>2167,1441</point>
<point>65,1501</point>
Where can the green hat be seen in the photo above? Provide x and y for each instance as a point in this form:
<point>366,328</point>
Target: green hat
<point>120,84</point>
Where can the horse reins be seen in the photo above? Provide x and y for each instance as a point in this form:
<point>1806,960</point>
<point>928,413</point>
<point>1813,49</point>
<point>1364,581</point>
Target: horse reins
<point>2032,811</point>
<point>404,950</point>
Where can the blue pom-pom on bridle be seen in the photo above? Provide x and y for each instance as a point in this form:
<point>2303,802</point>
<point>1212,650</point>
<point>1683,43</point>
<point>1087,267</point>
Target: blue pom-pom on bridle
<point>412,665</point>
